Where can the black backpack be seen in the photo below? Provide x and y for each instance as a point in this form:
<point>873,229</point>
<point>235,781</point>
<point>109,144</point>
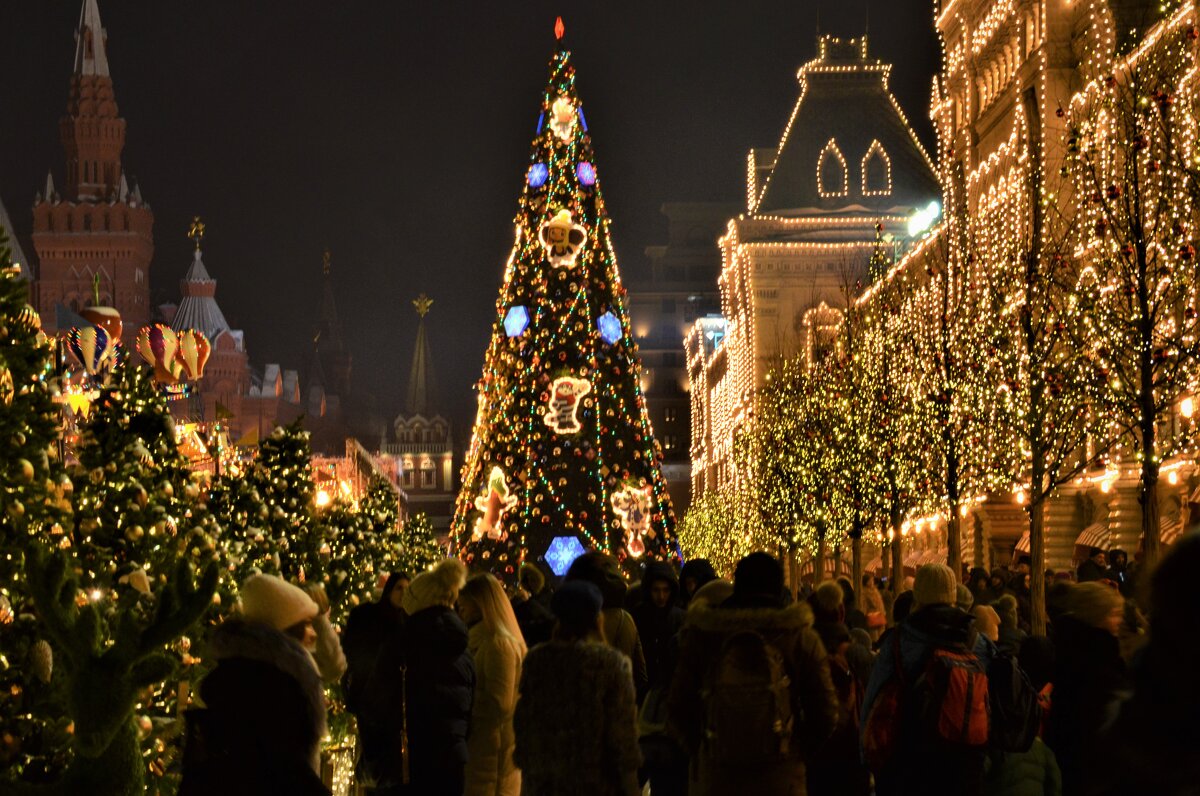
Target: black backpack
<point>749,704</point>
<point>1016,713</point>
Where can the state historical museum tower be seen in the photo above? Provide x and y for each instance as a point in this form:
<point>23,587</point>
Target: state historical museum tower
<point>99,226</point>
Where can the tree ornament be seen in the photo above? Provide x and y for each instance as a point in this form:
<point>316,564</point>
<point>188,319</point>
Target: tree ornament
<point>562,239</point>
<point>157,343</point>
<point>107,318</point>
<point>493,504</point>
<point>192,353</point>
<point>632,506</point>
<point>562,119</point>
<point>563,403</point>
<point>6,386</point>
<point>6,611</point>
<point>92,347</point>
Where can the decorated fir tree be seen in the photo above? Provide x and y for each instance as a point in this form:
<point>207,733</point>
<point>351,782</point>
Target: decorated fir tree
<point>34,498</point>
<point>562,445</point>
<point>418,546</point>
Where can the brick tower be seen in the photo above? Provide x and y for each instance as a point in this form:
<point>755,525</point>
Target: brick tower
<point>98,226</point>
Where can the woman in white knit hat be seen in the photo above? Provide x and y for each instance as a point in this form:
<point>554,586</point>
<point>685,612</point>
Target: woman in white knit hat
<point>264,707</point>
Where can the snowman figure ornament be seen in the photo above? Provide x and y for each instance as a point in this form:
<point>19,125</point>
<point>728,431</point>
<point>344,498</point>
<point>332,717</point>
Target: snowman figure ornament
<point>562,239</point>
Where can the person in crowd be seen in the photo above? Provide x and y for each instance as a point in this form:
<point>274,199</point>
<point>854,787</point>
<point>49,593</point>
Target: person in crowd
<point>438,682</point>
<point>861,654</point>
<point>1011,635</point>
<point>263,714</point>
<point>997,583</point>
<point>1019,588</point>
<point>575,721</point>
<point>902,607</point>
<point>1089,679</point>
<point>873,607</point>
<point>1034,772</point>
<point>497,648</point>
<point>1151,744</point>
<point>964,600</point>
<point>1094,567</point>
<point>752,696</point>
<point>977,582</point>
<point>837,766</point>
<point>531,605</point>
<point>1118,571</point>
<point>373,642</point>
<point>328,655</point>
<point>659,617</point>
<point>1024,564</point>
<point>620,631</point>
<point>695,574</point>
<point>855,617</point>
<point>919,761</point>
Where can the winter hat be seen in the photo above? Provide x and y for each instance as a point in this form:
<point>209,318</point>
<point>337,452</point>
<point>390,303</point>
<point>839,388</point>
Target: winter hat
<point>271,600</point>
<point>758,574</point>
<point>603,572</point>
<point>437,586</point>
<point>532,578</point>
<point>965,599</point>
<point>710,594</point>
<point>1093,602</point>
<point>935,585</point>
<point>577,603</point>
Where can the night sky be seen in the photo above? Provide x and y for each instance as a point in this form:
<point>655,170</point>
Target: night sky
<point>397,133</point>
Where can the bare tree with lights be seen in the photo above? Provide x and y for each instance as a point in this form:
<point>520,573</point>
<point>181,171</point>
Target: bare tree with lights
<point>1130,154</point>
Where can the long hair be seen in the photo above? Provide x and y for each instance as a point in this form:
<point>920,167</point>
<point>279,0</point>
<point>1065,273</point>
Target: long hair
<point>497,612</point>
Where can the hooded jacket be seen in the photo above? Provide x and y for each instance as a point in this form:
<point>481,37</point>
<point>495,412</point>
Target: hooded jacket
<point>439,685</point>
<point>576,722</point>
<point>657,627</point>
<point>814,702</point>
<point>263,716</point>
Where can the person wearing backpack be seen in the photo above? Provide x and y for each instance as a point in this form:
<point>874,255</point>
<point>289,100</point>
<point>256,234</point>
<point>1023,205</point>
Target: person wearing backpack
<point>925,716</point>
<point>752,697</point>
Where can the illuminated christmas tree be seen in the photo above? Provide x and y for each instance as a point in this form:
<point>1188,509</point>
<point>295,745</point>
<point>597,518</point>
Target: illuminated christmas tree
<point>562,445</point>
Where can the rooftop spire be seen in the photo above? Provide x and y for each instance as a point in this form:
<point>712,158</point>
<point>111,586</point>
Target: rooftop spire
<point>91,55</point>
<point>196,232</point>
<point>420,379</point>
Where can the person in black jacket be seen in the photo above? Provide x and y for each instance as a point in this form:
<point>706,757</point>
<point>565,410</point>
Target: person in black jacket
<point>1094,568</point>
<point>1089,679</point>
<point>439,682</point>
<point>658,618</point>
<point>531,605</point>
<point>373,643</point>
<point>263,717</point>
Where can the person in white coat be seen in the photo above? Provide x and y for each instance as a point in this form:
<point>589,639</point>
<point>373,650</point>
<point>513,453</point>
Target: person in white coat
<point>498,648</point>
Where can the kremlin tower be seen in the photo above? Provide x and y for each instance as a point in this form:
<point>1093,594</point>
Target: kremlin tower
<point>98,227</point>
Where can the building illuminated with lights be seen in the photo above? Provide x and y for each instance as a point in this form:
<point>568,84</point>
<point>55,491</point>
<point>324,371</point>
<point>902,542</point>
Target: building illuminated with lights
<point>1015,74</point>
<point>848,160</point>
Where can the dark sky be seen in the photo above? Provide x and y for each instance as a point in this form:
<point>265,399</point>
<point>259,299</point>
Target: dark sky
<point>396,133</point>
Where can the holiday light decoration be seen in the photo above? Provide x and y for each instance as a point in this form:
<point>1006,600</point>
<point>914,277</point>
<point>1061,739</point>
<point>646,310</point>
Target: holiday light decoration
<point>562,239</point>
<point>562,404</point>
<point>516,321</point>
<point>632,506</point>
<point>559,476</point>
<point>92,348</point>
<point>833,178</point>
<point>192,353</point>
<point>562,552</point>
<point>537,175</point>
<point>493,504</point>
<point>876,169</point>
<point>157,343</point>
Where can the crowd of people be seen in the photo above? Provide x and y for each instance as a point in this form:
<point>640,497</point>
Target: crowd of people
<point>685,683</point>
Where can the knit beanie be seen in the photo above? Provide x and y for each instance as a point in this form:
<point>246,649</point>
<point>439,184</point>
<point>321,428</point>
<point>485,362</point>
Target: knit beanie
<point>1093,602</point>
<point>935,585</point>
<point>964,598</point>
<point>577,603</point>
<point>271,600</point>
<point>437,586</point>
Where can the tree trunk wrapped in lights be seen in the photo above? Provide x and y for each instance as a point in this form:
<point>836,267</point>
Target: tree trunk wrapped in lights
<point>562,444</point>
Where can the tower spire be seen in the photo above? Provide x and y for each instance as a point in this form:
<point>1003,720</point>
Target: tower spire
<point>91,42</point>
<point>420,379</point>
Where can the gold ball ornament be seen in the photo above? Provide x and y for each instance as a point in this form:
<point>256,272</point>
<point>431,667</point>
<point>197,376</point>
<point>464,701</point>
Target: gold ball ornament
<point>25,470</point>
<point>6,386</point>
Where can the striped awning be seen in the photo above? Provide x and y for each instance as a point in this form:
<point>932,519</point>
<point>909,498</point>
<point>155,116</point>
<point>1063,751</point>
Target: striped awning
<point>1095,535</point>
<point>1023,543</point>
<point>875,566</point>
<point>1169,530</point>
<point>831,566</point>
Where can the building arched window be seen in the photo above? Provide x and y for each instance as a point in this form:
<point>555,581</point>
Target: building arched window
<point>876,171</point>
<point>832,177</point>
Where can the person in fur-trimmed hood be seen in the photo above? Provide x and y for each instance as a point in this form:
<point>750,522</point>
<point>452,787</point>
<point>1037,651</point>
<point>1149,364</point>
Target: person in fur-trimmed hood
<point>264,707</point>
<point>722,744</point>
<point>439,682</point>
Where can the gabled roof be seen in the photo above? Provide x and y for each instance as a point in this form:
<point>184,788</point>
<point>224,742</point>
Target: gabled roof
<point>845,107</point>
